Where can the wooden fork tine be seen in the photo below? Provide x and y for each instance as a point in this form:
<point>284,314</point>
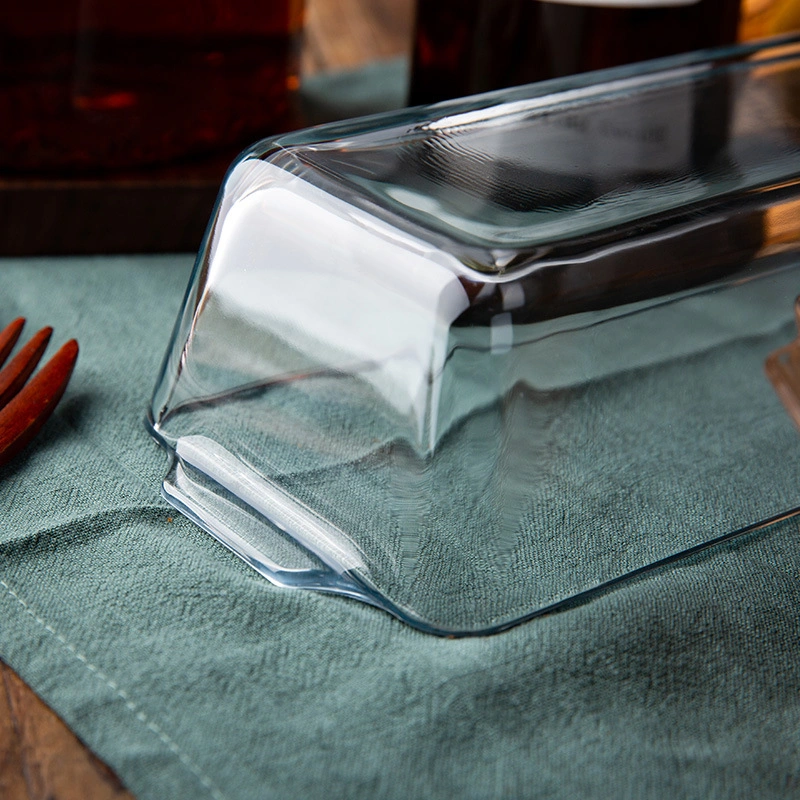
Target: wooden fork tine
<point>16,372</point>
<point>30,408</point>
<point>9,336</point>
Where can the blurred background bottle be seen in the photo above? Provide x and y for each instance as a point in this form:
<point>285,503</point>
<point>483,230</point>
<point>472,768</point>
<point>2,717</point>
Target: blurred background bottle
<point>119,118</point>
<point>464,47</point>
<point>96,84</point>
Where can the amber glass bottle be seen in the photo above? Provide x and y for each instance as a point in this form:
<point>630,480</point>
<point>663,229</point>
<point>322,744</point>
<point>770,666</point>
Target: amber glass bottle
<point>92,85</point>
<point>463,47</point>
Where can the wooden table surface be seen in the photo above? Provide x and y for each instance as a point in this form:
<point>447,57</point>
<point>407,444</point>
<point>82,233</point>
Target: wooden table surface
<point>40,758</point>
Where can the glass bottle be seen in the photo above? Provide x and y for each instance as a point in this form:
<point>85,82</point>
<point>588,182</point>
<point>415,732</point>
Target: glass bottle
<point>465,47</point>
<point>92,85</point>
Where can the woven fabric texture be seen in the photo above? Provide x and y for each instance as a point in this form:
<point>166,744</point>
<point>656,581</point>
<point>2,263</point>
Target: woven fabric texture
<point>193,677</point>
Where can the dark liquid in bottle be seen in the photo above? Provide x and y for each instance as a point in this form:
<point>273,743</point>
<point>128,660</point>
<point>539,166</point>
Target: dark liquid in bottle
<point>96,84</point>
<point>464,47</point>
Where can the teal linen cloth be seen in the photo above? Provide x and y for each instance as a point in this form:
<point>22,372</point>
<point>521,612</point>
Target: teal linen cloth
<point>193,677</point>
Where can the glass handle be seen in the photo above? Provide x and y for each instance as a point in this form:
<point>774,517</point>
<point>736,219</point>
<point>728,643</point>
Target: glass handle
<point>231,514</point>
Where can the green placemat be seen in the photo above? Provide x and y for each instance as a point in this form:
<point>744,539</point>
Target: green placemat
<point>193,677</point>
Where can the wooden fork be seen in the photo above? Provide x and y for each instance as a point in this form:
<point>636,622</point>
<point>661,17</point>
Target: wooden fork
<point>25,407</point>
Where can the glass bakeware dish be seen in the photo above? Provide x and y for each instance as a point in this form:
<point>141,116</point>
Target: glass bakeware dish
<point>471,361</point>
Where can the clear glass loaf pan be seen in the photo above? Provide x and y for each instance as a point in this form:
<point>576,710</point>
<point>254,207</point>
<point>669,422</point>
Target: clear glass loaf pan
<point>470,361</point>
